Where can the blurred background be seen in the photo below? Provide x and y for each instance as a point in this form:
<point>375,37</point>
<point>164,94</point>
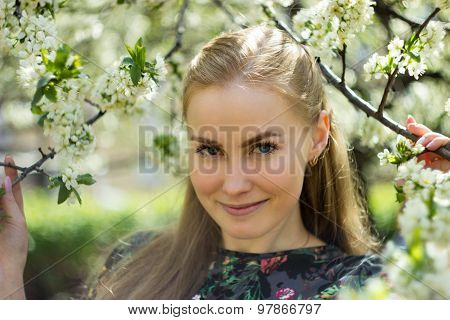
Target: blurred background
<point>68,243</point>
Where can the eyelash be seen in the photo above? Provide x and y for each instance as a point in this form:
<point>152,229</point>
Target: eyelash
<point>269,143</point>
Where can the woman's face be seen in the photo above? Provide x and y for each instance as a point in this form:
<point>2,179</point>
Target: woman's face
<point>248,146</point>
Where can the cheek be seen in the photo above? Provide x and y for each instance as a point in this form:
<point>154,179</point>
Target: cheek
<point>283,177</point>
<point>204,185</point>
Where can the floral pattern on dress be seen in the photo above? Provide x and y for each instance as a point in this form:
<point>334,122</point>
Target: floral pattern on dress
<point>303,273</point>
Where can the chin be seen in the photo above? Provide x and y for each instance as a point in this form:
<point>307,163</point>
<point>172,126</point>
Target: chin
<point>242,232</point>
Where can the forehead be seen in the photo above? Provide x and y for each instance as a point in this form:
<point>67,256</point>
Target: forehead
<point>239,106</point>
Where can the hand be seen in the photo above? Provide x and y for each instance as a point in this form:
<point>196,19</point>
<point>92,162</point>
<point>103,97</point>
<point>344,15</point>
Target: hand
<point>431,141</point>
<point>13,237</point>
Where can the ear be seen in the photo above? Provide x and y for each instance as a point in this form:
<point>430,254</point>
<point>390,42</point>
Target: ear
<point>320,135</point>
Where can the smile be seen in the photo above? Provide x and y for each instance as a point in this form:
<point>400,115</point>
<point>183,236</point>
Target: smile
<point>243,209</point>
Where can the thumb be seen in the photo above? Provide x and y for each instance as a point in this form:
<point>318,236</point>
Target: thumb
<point>9,203</point>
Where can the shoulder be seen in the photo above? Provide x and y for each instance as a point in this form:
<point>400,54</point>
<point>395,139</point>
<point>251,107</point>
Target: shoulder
<point>123,249</point>
<point>354,270</point>
<point>350,271</point>
<point>127,246</point>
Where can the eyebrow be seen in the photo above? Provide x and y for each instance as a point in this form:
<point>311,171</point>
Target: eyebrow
<point>250,141</point>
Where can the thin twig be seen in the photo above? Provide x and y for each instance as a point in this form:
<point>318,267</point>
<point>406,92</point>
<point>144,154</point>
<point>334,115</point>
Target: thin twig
<point>96,117</point>
<point>382,8</point>
<point>92,103</point>
<point>393,75</point>
<point>228,13</point>
<point>343,63</point>
<point>36,166</point>
<point>179,30</point>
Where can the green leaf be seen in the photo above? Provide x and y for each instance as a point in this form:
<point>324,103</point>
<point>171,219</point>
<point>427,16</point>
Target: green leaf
<point>55,182</point>
<point>42,83</point>
<point>42,119</point>
<point>37,97</point>
<point>131,52</point>
<point>45,80</point>
<point>142,58</point>
<point>167,143</point>
<point>63,194</point>
<point>77,195</point>
<point>50,93</point>
<point>2,192</point>
<point>140,53</point>
<point>414,57</point>
<point>62,54</point>
<point>135,73</point>
<point>400,197</point>
<point>36,110</point>
<point>127,60</point>
<point>44,56</point>
<point>409,41</point>
<point>85,179</point>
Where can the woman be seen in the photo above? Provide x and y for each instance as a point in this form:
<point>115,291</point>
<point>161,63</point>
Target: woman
<point>272,209</point>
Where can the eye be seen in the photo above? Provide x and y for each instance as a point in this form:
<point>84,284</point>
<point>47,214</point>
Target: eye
<point>211,149</point>
<point>265,147</point>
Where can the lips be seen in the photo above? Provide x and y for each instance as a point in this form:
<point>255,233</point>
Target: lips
<point>243,209</point>
<point>243,205</point>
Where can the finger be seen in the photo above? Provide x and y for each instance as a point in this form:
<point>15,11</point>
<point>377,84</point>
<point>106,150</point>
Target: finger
<point>12,173</point>
<point>437,143</point>
<point>410,119</point>
<point>9,204</point>
<point>427,138</point>
<point>417,129</point>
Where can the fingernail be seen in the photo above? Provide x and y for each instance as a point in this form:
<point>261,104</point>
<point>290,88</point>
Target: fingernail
<point>420,141</point>
<point>431,144</point>
<point>8,184</point>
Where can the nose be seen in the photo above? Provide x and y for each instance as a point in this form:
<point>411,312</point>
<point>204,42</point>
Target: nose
<point>236,181</point>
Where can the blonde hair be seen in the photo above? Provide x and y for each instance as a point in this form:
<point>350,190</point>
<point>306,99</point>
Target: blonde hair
<point>174,265</point>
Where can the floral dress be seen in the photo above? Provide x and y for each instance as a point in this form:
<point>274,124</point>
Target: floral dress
<point>303,273</point>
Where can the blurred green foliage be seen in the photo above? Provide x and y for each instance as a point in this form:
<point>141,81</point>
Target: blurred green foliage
<point>68,243</point>
<point>383,207</point>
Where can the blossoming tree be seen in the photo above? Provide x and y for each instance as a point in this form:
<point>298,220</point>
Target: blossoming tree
<point>53,74</point>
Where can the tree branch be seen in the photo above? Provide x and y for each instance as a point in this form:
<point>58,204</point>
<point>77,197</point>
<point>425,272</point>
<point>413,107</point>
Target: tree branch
<point>179,30</point>
<point>343,62</point>
<point>228,13</point>
<point>352,96</point>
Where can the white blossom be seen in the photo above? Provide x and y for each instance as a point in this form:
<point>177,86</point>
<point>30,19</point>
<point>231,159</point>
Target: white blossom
<point>332,23</point>
<point>376,67</point>
<point>115,90</point>
<point>383,156</point>
<point>69,177</point>
<point>428,47</point>
<point>395,47</point>
<point>160,68</point>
